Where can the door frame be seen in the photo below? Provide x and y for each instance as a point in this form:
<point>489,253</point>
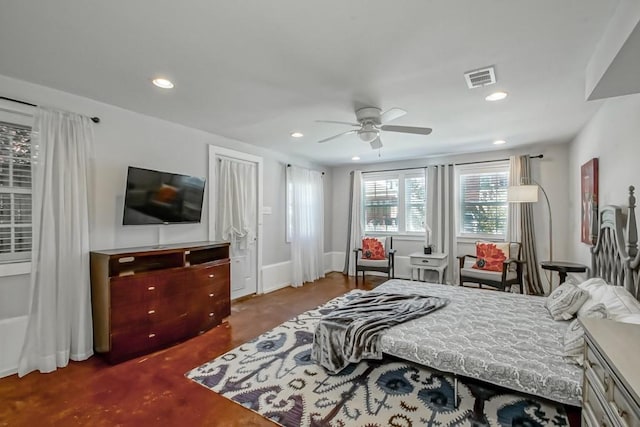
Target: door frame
<point>215,152</point>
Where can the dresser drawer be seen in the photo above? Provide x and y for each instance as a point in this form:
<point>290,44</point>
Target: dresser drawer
<point>624,411</point>
<point>215,290</point>
<point>149,312</point>
<point>202,320</point>
<point>134,289</point>
<point>205,275</point>
<point>596,372</point>
<point>593,412</point>
<point>431,262</point>
<point>146,338</point>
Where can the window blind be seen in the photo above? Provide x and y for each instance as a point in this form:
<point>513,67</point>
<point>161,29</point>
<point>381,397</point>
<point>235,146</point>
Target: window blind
<point>394,201</point>
<point>15,192</point>
<point>415,201</point>
<point>381,200</point>
<point>483,203</point>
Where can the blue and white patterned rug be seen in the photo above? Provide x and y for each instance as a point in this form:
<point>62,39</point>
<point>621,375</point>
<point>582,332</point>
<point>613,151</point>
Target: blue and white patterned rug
<point>274,376</point>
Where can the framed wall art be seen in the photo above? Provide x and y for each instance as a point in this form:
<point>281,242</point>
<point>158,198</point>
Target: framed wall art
<point>589,199</point>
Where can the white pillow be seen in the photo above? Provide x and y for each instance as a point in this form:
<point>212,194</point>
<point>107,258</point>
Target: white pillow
<point>574,335</point>
<point>616,299</point>
<point>565,301</point>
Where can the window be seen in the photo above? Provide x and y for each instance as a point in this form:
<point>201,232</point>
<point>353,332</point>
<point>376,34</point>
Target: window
<point>394,202</point>
<point>482,202</point>
<point>15,192</point>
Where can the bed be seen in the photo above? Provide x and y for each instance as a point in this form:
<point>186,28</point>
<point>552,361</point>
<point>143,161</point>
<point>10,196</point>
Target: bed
<point>509,339</point>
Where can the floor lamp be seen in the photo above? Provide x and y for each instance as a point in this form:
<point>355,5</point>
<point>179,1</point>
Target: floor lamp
<point>529,194</point>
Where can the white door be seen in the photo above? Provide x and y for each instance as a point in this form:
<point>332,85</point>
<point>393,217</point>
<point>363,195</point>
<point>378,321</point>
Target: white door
<point>246,256</point>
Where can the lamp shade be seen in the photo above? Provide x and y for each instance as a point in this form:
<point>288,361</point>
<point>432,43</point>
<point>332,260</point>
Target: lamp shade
<point>522,194</point>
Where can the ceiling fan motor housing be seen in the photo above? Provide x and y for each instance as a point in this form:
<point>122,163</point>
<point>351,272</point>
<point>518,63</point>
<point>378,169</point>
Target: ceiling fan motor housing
<point>369,114</point>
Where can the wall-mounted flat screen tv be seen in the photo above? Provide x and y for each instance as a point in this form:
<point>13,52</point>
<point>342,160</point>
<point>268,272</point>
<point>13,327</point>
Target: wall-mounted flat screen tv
<point>155,197</point>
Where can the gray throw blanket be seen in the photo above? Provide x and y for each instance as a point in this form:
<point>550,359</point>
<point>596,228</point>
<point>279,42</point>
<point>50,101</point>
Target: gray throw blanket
<point>352,332</point>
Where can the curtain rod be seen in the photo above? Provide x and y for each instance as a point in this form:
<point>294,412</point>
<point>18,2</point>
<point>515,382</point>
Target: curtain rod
<point>394,170</point>
<point>539,156</point>
<point>289,165</point>
<point>93,119</point>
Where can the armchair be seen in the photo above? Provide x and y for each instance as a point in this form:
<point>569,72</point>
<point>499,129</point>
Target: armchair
<point>385,265</point>
<point>510,275</point>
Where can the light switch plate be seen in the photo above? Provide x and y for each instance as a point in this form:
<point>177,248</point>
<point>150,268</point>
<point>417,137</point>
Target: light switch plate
<point>266,210</point>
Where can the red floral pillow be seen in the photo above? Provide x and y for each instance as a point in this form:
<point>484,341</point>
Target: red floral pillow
<point>372,248</point>
<point>490,256</point>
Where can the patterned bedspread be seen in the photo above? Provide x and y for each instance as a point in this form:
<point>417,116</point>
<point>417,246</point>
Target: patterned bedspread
<point>502,338</point>
<point>352,332</point>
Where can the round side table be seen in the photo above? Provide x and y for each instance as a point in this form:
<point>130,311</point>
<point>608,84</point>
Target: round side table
<point>563,268</point>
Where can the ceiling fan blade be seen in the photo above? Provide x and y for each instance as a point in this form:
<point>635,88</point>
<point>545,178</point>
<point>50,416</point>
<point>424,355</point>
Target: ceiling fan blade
<point>392,114</point>
<point>337,136</point>
<point>407,129</point>
<point>337,122</point>
<point>376,143</point>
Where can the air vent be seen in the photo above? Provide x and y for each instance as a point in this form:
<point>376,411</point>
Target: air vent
<point>480,77</point>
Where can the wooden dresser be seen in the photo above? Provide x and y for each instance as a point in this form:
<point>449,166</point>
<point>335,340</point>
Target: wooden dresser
<point>611,395</point>
<point>147,298</point>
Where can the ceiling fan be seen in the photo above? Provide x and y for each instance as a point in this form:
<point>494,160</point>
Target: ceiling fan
<point>371,121</point>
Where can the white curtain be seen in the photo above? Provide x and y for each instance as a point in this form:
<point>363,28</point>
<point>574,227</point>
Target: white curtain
<point>60,323</point>
<point>306,201</point>
<point>514,232</point>
<point>237,218</point>
<point>440,214</point>
<point>355,222</point>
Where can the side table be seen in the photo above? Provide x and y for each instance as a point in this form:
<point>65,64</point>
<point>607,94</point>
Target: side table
<point>435,261</point>
<point>563,268</point>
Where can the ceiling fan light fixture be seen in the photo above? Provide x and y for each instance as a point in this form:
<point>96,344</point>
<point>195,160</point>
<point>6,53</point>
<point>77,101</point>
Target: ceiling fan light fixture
<point>367,136</point>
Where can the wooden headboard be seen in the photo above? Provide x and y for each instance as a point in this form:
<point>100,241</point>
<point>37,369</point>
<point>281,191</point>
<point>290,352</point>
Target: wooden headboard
<point>615,256</point>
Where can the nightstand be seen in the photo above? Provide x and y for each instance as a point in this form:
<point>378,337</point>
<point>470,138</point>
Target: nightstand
<point>611,391</point>
<point>421,262</point>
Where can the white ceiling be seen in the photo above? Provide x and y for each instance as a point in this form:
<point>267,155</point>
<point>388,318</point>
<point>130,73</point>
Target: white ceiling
<point>258,70</point>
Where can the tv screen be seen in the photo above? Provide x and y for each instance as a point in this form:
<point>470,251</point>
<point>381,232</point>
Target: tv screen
<point>155,197</point>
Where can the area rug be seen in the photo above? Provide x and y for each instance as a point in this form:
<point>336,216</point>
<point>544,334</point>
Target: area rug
<point>274,376</point>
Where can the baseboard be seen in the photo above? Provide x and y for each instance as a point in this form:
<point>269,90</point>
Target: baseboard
<point>12,333</point>
<point>278,276</point>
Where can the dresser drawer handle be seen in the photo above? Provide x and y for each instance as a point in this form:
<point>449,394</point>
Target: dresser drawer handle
<point>425,261</point>
<point>606,383</point>
<point>210,314</point>
<point>211,276</point>
<point>211,295</point>
<point>151,311</point>
<point>151,288</point>
<point>621,412</point>
<point>152,335</point>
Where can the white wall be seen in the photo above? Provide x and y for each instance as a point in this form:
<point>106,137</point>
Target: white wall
<point>613,136</point>
<point>125,138</point>
<point>550,172</point>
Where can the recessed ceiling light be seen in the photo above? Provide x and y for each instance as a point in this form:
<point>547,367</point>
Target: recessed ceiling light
<point>163,83</point>
<point>496,96</point>
<point>297,134</point>
<point>499,142</point>
<point>354,158</point>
